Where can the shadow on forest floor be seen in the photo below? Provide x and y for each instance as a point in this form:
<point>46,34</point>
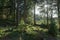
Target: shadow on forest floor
<point>24,36</point>
<point>11,36</point>
<point>31,33</point>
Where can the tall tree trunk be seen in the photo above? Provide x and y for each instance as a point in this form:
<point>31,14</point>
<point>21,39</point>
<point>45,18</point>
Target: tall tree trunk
<point>58,5</point>
<point>52,12</point>
<point>17,12</point>
<point>34,15</point>
<point>51,16</point>
<point>25,12</point>
<point>47,17</point>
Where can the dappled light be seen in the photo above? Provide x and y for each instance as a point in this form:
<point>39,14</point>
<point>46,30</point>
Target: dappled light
<point>29,20</point>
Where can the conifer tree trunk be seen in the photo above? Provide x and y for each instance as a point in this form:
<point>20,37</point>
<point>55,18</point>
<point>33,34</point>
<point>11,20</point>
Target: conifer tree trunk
<point>58,5</point>
<point>25,11</point>
<point>34,12</point>
<point>47,16</point>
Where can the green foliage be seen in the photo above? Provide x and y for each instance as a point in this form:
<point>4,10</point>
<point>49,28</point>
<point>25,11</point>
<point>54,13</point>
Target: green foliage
<point>43,25</point>
<point>53,29</point>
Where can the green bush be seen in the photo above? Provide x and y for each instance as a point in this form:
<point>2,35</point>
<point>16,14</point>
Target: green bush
<point>53,28</point>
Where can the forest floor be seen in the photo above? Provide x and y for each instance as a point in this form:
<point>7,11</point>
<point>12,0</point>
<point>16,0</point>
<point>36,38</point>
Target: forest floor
<point>26,32</point>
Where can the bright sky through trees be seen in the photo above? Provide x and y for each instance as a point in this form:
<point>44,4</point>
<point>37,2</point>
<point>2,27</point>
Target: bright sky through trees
<point>38,11</point>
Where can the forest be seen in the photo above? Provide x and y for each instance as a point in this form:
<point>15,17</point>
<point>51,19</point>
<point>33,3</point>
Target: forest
<point>29,19</point>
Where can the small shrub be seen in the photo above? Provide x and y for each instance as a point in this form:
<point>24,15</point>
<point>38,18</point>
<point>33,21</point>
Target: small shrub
<point>53,28</point>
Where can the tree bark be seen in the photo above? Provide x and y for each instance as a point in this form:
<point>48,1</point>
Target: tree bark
<point>47,17</point>
<point>34,15</point>
<point>58,5</point>
<point>25,11</point>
